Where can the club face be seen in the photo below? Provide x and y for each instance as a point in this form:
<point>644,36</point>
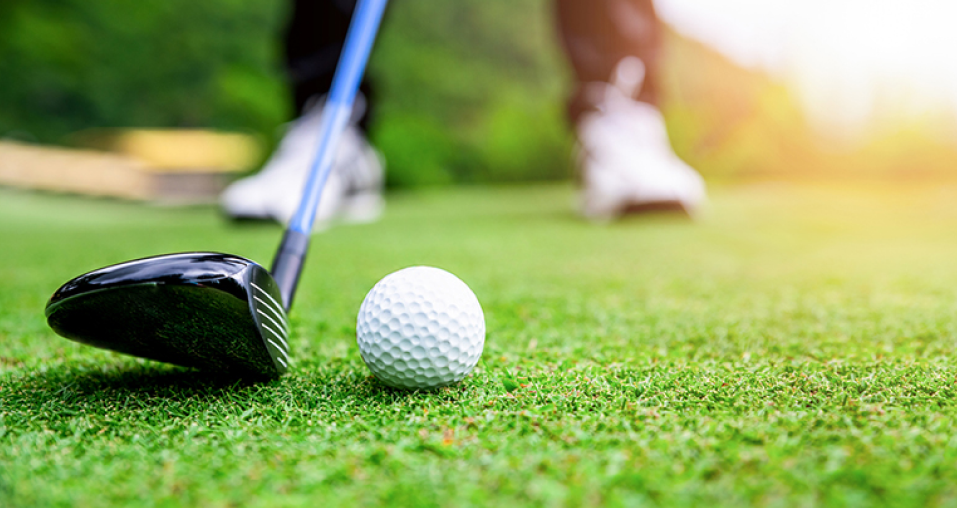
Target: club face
<point>206,310</point>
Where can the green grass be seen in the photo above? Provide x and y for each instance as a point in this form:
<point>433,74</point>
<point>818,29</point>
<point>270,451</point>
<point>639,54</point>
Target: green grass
<point>792,348</point>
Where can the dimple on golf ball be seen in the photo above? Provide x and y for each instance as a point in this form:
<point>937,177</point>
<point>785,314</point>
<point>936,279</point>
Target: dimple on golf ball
<point>420,327</point>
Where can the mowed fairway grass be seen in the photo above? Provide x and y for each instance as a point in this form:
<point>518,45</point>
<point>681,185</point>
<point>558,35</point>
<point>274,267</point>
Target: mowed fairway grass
<point>794,347</point>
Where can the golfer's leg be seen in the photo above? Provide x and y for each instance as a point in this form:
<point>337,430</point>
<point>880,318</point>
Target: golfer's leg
<point>597,34</point>
<point>625,158</point>
<point>314,38</point>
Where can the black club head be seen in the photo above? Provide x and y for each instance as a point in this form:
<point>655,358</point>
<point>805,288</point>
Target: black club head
<point>206,310</point>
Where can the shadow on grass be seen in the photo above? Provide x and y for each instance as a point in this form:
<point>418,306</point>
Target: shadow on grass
<point>372,390</point>
<point>123,382</point>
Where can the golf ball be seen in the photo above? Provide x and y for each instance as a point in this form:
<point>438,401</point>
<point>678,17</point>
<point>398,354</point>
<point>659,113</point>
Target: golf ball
<point>420,327</point>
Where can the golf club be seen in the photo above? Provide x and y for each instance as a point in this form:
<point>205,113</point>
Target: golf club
<point>209,310</point>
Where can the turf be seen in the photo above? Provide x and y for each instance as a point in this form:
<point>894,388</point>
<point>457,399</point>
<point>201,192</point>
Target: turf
<point>794,347</point>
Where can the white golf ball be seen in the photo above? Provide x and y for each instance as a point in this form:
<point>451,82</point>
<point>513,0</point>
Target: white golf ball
<point>420,327</point>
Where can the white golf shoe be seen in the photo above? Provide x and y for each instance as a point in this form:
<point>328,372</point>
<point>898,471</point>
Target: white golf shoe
<point>353,192</point>
<point>626,160</point>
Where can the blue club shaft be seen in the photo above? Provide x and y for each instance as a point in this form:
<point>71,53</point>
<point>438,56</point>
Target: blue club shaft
<point>338,107</point>
<point>335,116</point>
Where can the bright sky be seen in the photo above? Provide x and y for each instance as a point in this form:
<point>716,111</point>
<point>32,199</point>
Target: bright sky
<point>849,60</point>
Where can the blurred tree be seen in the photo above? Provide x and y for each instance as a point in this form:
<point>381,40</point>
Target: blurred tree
<point>471,90</point>
<point>74,64</point>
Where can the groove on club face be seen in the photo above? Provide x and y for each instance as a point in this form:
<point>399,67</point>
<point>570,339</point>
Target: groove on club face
<point>271,320</point>
<point>206,310</point>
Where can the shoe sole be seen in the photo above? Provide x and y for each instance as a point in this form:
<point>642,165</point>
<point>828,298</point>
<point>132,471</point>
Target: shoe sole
<point>673,207</point>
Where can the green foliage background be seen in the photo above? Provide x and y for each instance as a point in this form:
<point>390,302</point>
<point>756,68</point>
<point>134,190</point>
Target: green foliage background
<point>469,90</point>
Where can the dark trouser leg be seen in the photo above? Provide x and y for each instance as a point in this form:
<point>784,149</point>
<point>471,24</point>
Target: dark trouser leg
<point>597,34</point>
<point>314,38</point>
